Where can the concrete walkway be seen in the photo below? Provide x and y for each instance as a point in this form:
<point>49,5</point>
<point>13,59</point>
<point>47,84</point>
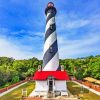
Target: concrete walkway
<point>92,90</point>
<point>1,94</point>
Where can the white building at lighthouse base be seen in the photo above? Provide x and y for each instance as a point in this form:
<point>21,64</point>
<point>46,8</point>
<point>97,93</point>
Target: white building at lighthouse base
<point>50,82</point>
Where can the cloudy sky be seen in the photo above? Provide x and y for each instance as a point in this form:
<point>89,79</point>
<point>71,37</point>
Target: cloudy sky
<point>22,27</point>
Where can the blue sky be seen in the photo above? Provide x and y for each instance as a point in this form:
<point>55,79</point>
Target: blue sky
<point>22,27</point>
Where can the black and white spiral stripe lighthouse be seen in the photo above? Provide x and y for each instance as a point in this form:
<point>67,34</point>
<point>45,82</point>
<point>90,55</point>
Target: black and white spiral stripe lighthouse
<point>51,77</point>
<point>51,55</point>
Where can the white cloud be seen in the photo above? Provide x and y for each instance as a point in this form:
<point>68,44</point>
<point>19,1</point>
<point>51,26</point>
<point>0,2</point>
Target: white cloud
<point>72,21</point>
<point>8,49</point>
<point>76,48</point>
<point>40,34</point>
<point>20,48</point>
<point>65,22</point>
<point>86,43</point>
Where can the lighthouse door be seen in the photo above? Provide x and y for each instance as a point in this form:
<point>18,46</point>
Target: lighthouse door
<point>51,82</point>
<point>50,85</point>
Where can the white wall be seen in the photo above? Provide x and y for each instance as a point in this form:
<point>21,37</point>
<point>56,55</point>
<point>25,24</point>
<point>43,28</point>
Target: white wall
<point>60,85</point>
<point>41,86</point>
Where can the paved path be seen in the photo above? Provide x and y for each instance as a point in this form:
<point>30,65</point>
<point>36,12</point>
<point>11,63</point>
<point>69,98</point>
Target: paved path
<point>56,98</point>
<point>92,90</point>
<point>1,94</point>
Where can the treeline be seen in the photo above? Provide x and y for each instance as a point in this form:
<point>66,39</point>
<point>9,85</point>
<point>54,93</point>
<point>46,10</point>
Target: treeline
<point>12,71</point>
<point>83,67</point>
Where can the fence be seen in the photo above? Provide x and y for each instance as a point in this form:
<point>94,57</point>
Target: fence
<point>93,86</point>
<point>11,86</point>
<point>90,85</point>
<point>86,83</point>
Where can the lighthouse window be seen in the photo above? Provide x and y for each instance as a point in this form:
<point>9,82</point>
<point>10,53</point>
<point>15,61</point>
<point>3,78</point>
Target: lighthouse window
<point>51,27</point>
<point>51,50</point>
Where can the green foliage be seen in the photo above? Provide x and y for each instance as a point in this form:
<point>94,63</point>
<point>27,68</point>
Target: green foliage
<point>83,67</point>
<point>4,77</point>
<point>12,71</point>
<point>15,79</point>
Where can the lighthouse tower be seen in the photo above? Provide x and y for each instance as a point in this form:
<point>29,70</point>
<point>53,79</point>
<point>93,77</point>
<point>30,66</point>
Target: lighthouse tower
<point>51,56</point>
<point>51,78</point>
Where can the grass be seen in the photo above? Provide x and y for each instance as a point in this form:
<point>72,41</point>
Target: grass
<point>17,93</point>
<point>75,89</point>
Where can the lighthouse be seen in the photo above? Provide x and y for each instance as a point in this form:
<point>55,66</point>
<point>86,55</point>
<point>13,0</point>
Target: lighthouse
<point>50,79</point>
<point>51,56</point>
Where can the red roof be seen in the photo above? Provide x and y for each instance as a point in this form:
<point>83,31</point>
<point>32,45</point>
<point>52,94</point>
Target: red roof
<point>43,75</point>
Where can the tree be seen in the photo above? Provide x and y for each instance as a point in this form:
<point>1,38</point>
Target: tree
<point>15,79</point>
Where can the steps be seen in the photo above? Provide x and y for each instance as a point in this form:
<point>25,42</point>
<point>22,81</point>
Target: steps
<point>50,94</point>
<point>56,98</point>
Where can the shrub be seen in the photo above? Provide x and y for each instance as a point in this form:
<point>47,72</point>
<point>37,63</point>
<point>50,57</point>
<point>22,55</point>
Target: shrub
<point>15,79</point>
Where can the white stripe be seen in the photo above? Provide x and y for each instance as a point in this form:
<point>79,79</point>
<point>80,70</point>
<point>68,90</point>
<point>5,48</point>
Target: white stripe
<point>50,40</point>
<point>53,64</point>
<point>50,22</point>
<point>48,14</point>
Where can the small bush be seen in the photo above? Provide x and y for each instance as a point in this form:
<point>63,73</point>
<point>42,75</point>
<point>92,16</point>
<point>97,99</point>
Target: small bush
<point>15,79</point>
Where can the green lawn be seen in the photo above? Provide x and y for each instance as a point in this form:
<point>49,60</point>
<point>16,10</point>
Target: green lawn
<point>17,93</point>
<point>75,89</point>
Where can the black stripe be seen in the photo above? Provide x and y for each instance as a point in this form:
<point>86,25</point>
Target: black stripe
<point>50,31</point>
<point>49,55</point>
<point>59,68</point>
<point>49,17</point>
